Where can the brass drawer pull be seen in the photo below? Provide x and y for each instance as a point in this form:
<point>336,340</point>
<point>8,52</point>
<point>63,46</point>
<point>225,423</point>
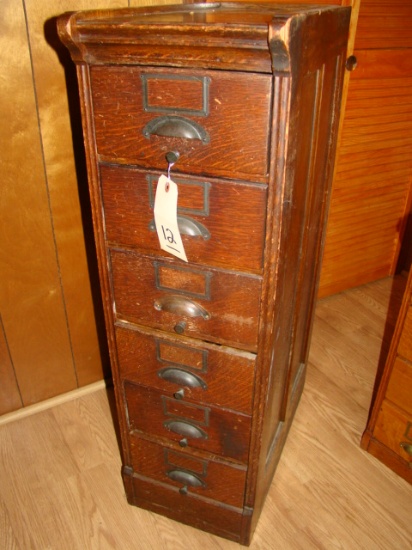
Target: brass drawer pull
<point>182,378</point>
<point>187,479</point>
<point>180,327</point>
<point>187,226</point>
<point>180,394</point>
<point>175,126</point>
<point>184,428</point>
<point>181,306</point>
<point>172,157</point>
<point>407,447</point>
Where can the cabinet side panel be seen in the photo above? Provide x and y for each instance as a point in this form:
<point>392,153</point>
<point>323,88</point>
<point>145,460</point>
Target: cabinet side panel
<point>303,192</point>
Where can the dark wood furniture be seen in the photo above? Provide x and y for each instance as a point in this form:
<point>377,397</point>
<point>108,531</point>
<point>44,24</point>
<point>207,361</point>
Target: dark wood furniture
<point>209,356</point>
<point>388,435</point>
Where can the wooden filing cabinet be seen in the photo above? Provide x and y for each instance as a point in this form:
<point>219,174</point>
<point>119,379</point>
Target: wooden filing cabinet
<point>209,356</point>
<point>388,435</point>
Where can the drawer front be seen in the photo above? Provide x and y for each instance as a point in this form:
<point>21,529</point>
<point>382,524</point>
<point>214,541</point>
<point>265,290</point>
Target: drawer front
<point>405,343</point>
<point>207,515</point>
<point>394,429</point>
<point>191,425</point>
<point>206,478</point>
<point>187,369</point>
<point>210,304</point>
<point>399,389</point>
<point>221,223</point>
<point>140,115</point>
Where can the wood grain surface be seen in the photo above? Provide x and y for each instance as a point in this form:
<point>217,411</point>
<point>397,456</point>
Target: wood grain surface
<point>388,433</point>
<point>328,493</point>
<point>66,184</point>
<point>235,99</point>
<point>48,291</point>
<point>10,398</point>
<point>225,375</point>
<point>128,198</point>
<point>372,187</point>
<point>31,293</point>
<point>40,202</point>
<point>229,300</point>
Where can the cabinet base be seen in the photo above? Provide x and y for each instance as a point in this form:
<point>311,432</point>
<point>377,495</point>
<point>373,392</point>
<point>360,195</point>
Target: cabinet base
<point>393,461</point>
<point>207,515</point>
<point>229,522</point>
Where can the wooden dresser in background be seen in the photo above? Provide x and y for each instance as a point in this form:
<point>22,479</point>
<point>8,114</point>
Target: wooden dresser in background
<point>388,435</point>
<point>209,357</point>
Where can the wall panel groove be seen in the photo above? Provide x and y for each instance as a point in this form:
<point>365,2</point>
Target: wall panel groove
<point>52,326</point>
<point>46,180</point>
<point>370,199</point>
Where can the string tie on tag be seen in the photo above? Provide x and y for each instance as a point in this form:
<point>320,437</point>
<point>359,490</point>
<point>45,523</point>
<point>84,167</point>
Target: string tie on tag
<point>171,157</point>
<point>169,167</point>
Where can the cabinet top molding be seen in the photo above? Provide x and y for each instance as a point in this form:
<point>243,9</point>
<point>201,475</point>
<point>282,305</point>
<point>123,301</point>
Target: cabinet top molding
<point>245,37</point>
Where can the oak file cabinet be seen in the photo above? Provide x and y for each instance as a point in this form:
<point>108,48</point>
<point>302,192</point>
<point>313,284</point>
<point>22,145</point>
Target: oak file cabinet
<point>208,356</point>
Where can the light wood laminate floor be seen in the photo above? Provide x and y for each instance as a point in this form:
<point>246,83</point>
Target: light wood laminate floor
<point>60,485</point>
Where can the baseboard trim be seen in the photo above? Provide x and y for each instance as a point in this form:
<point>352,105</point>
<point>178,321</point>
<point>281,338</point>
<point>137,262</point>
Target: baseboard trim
<point>52,402</point>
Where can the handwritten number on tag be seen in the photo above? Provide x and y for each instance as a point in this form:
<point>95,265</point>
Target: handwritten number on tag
<point>168,235</point>
<point>165,212</point>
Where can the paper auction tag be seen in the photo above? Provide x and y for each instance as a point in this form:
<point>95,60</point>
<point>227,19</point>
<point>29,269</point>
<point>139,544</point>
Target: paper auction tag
<point>165,215</point>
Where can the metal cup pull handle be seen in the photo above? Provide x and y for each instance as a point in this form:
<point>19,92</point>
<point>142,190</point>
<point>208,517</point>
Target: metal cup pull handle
<point>175,126</point>
<point>181,306</point>
<point>185,429</point>
<point>182,377</point>
<point>187,226</point>
<point>186,478</point>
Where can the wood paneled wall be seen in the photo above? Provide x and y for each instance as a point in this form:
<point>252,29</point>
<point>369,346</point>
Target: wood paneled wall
<point>49,336</point>
<point>50,321</point>
<point>371,194</point>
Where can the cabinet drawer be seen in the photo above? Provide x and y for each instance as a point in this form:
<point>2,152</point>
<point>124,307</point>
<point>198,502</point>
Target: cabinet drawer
<point>221,223</point>
<point>405,343</point>
<point>190,474</point>
<point>200,372</point>
<point>193,425</point>
<point>394,429</point>
<point>164,499</point>
<point>400,385</point>
<point>210,304</point>
<point>140,115</point>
